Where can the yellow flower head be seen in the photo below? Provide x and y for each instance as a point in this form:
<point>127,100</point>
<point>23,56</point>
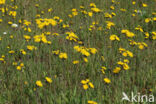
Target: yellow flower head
<point>49,80</point>
<point>39,83</point>
<point>107,80</point>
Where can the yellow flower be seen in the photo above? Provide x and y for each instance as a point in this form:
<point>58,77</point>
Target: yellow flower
<point>14,63</point>
<point>124,54</point>
<point>2,2</point>
<point>133,15</point>
<point>92,102</point>
<point>45,22</point>
<point>23,52</point>
<point>128,33</point>
<point>117,70</point>
<point>55,34</point>
<point>114,37</point>
<point>10,22</point>
<point>125,66</point>
<point>31,47</point>
<point>85,60</point>
<point>91,85</point>
<point>147,20</point>
<point>84,81</point>
<point>144,5</point>
<point>130,53</point>
<point>39,83</point>
<point>22,64</point>
<point>96,10</point>
<point>126,60</point>
<point>11,36</point>
<point>56,52</point>
<point>92,5</point>
<point>90,14</point>
<point>18,68</point>
<point>107,80</point>
<point>50,9</point>
<point>75,62</point>
<point>123,10</point>
<point>146,35</point>
<point>63,56</point>
<point>103,68</point>
<point>1,20</point>
<point>27,37</point>
<point>103,58</point>
<point>139,28</point>
<point>113,14</point>
<point>141,46</point>
<point>112,7</point>
<point>133,2</point>
<point>109,24</point>
<point>49,80</point>
<point>11,51</point>
<point>85,86</point>
<point>93,50</point>
<point>107,15</point>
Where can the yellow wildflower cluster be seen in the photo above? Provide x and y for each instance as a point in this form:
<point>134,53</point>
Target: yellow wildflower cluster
<point>31,47</point>
<point>93,25</point>
<point>103,68</point>
<point>86,84</point>
<point>12,13</point>
<point>60,54</point>
<point>85,51</point>
<point>72,36</point>
<point>26,22</point>
<point>116,70</point>
<point>109,24</point>
<point>23,51</point>
<point>114,37</point>
<point>2,2</point>
<point>2,59</point>
<point>124,64</point>
<point>128,33</point>
<point>63,56</point>
<point>47,79</point>
<point>139,28</point>
<point>45,22</point>
<point>74,12</point>
<point>41,38</point>
<point>154,35</point>
<point>94,8</point>
<point>125,52</point>
<point>107,15</point>
<point>20,66</point>
<point>141,45</point>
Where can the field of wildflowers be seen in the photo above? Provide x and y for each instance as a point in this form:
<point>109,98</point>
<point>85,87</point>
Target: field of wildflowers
<point>76,51</point>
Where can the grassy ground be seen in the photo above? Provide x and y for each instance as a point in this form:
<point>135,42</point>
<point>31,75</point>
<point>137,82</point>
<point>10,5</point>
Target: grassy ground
<point>32,72</point>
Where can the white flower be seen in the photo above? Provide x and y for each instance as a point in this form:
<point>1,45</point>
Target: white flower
<point>4,33</point>
<point>14,25</point>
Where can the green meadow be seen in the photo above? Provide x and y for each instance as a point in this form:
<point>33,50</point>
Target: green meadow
<point>77,51</point>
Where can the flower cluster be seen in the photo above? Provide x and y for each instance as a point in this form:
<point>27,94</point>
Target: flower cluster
<point>86,84</point>
<point>45,22</point>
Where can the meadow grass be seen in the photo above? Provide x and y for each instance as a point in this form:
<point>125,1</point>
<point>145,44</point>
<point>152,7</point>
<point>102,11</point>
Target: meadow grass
<point>18,82</point>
